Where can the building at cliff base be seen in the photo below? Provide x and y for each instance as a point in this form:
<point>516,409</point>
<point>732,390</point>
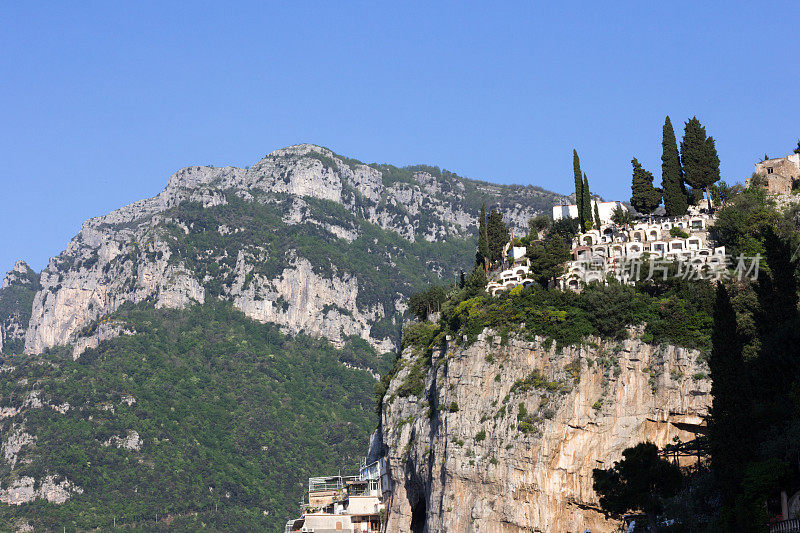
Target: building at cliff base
<point>354,504</point>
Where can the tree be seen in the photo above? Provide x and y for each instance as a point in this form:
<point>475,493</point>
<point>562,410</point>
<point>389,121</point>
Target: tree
<point>621,216</point>
<point>645,197</point>
<point>586,201</point>
<point>672,173</point>
<point>482,255</point>
<point>722,193</point>
<point>596,216</point>
<point>637,483</point>
<point>728,427</point>
<point>548,258</point>
<point>536,225</point>
<point>576,168</point>
<point>699,157</point>
<point>497,234</point>
<point>797,150</point>
<point>564,228</point>
<point>423,304</point>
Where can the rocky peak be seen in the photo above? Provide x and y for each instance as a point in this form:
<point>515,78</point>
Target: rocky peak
<point>21,274</point>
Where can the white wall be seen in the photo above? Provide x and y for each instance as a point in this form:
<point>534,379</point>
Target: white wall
<point>605,209</point>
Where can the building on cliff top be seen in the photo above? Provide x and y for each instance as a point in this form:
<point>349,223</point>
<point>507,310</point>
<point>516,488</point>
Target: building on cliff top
<point>781,175</point>
<point>628,253</point>
<point>354,504</point>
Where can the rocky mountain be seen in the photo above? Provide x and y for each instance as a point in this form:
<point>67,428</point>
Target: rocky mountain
<point>192,358</point>
<point>304,238</point>
<point>505,432</point>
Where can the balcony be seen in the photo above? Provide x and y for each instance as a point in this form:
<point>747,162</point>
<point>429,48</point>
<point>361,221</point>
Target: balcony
<point>786,526</point>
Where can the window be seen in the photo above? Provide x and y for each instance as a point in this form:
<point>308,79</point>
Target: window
<point>769,170</point>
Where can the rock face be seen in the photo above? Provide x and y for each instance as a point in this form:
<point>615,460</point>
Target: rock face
<point>196,240</point>
<point>505,437</point>
<point>16,297</point>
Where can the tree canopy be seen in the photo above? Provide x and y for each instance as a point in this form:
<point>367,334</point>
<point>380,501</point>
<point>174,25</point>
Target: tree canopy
<point>497,236</point>
<point>638,482</point>
<point>699,157</point>
<point>645,197</point>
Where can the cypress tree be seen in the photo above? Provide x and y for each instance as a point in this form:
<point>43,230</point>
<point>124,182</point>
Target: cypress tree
<point>728,428</point>
<point>586,202</point>
<point>699,157</point>
<point>482,256</point>
<point>576,168</point>
<point>645,198</point>
<point>596,216</point>
<point>671,173</point>
<point>497,234</point>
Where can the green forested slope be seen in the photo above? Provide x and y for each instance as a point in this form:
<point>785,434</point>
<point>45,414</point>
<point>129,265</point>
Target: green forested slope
<point>233,417</point>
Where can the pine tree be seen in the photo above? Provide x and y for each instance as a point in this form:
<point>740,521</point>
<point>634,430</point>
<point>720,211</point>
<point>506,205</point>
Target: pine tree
<point>728,428</point>
<point>586,203</point>
<point>645,198</point>
<point>576,168</point>
<point>482,255</point>
<point>671,173</point>
<point>699,157</point>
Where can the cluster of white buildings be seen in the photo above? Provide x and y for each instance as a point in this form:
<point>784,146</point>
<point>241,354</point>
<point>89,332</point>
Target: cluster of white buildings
<point>645,249</point>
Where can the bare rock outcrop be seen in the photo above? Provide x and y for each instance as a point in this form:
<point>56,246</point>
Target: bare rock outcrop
<point>504,437</point>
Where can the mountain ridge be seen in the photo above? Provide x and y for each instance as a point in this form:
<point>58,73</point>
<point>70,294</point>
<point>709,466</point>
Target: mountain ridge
<point>134,254</point>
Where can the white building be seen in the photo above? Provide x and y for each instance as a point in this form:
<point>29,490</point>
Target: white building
<point>605,210</point>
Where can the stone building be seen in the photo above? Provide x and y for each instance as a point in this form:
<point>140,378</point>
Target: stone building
<point>782,174</point>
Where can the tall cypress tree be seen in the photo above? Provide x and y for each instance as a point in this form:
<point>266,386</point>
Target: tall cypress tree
<point>728,427</point>
<point>482,255</point>
<point>586,202</point>
<point>576,168</point>
<point>497,234</point>
<point>645,197</point>
<point>671,173</point>
<point>699,157</point>
<point>596,216</point>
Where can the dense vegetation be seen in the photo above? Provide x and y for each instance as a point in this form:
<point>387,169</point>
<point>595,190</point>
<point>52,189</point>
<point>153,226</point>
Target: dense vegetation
<point>233,416</point>
<point>16,301</point>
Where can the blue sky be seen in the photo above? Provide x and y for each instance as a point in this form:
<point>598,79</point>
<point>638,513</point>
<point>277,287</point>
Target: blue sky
<point>102,101</point>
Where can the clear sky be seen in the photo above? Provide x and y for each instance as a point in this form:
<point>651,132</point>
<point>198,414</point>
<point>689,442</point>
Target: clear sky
<point>102,101</point>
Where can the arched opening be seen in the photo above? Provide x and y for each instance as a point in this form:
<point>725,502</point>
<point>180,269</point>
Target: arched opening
<point>418,515</point>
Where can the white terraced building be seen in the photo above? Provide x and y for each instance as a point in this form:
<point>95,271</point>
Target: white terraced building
<point>516,273</point>
<point>611,249</point>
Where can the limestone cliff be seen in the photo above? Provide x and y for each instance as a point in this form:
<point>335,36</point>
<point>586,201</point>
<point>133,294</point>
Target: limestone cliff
<point>505,435</point>
<point>265,238</point>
